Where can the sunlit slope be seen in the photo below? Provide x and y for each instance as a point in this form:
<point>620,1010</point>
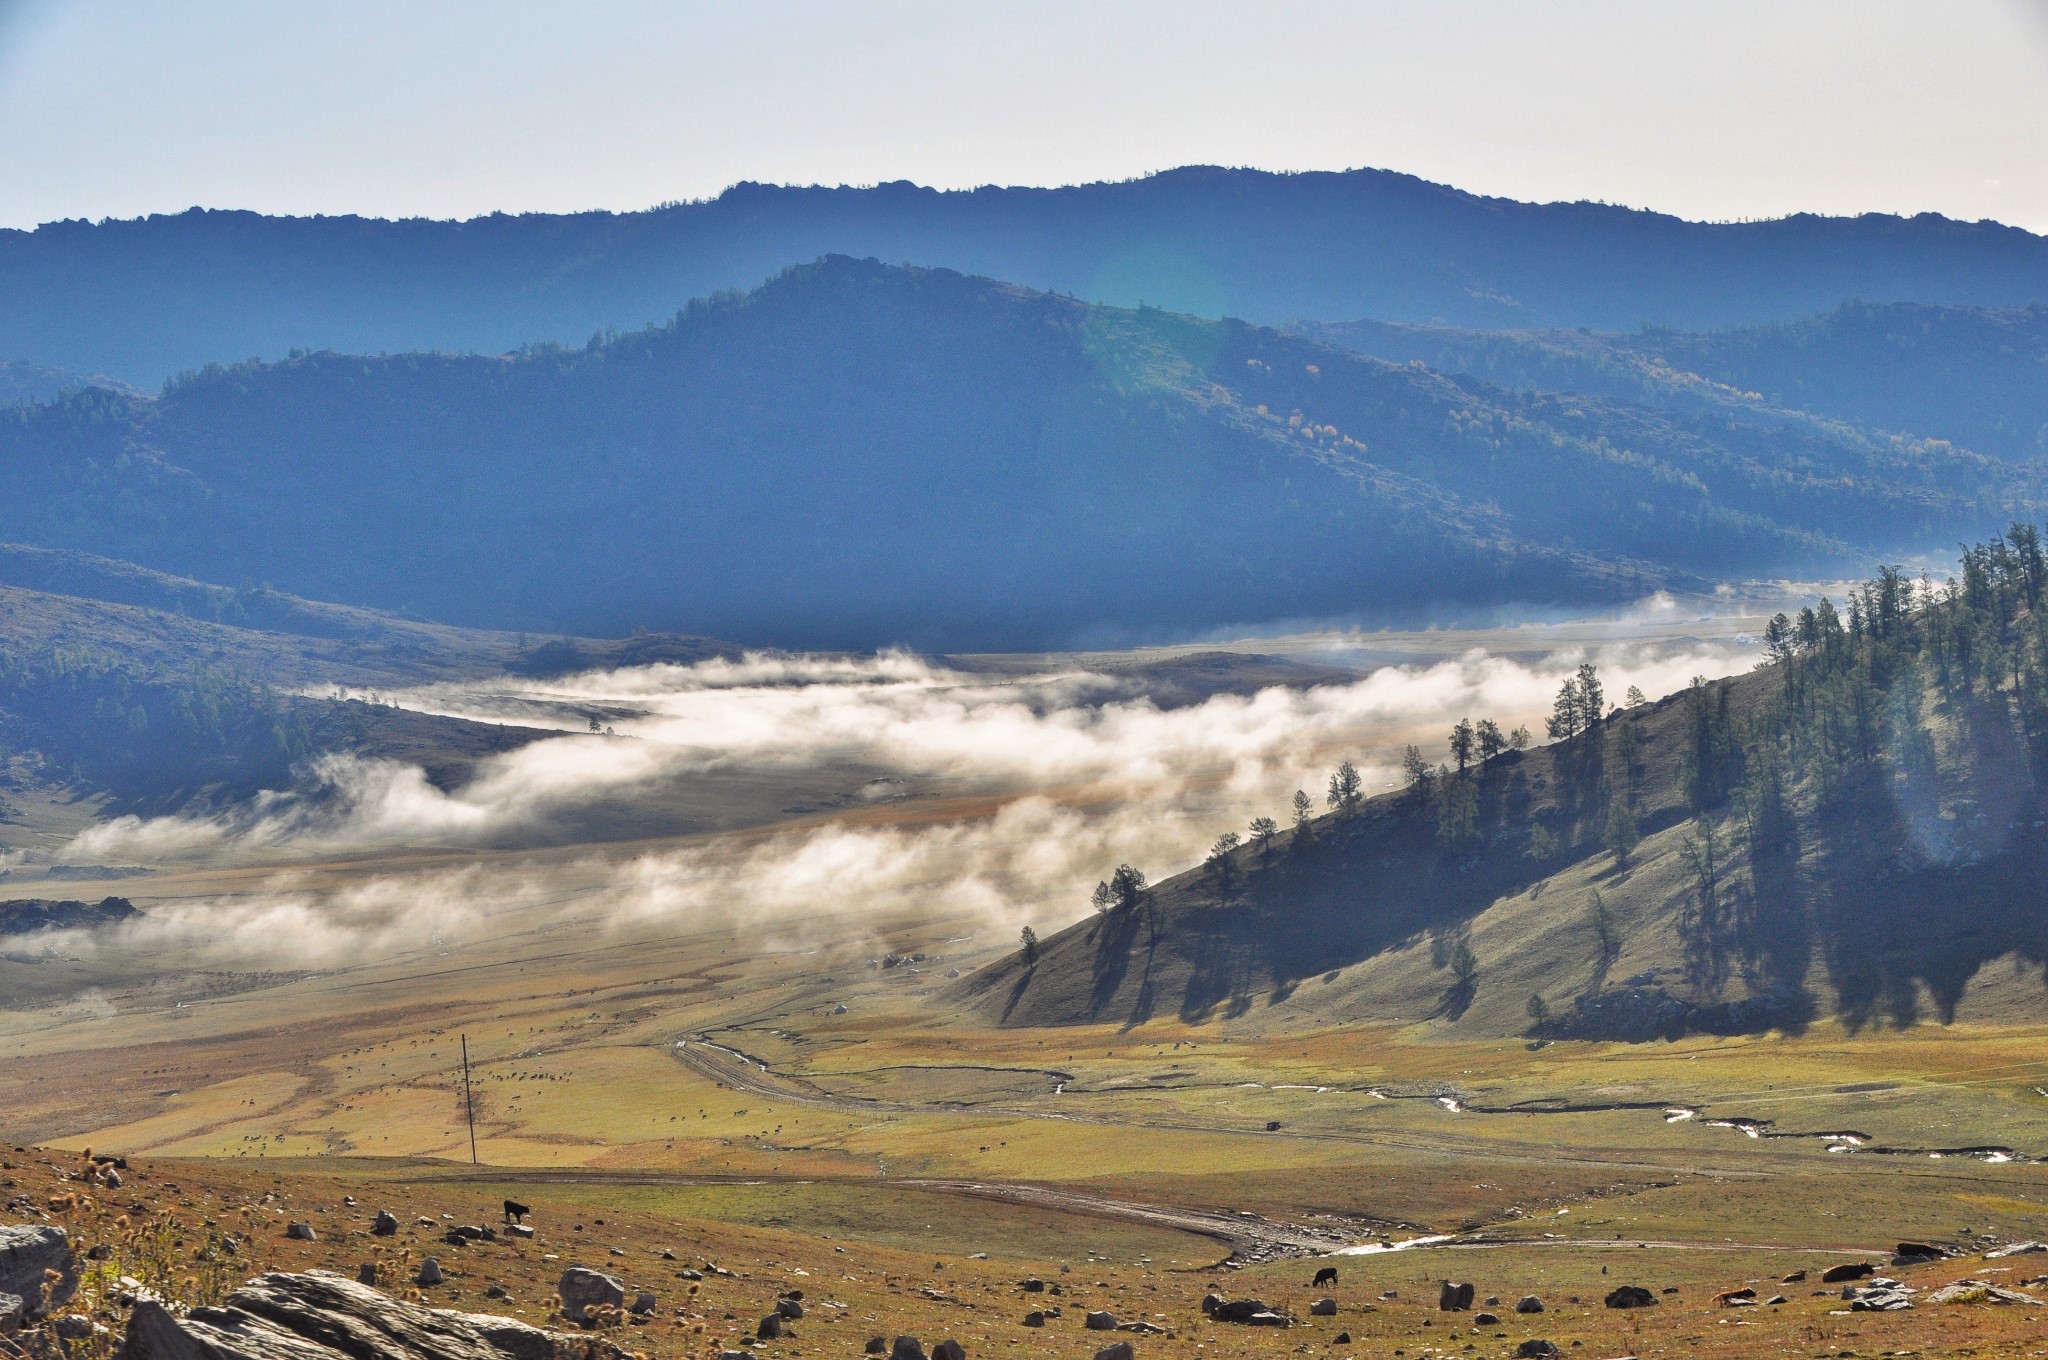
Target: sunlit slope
<point>858,455</point>
<point>1853,834</point>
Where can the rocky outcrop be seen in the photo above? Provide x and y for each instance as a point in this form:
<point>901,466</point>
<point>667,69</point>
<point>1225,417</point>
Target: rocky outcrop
<point>28,1253</point>
<point>319,1315</point>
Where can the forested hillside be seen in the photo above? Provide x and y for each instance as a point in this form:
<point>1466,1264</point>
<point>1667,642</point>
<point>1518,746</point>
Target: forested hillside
<point>144,299</point>
<point>1853,831</point>
<point>858,454</point>
<point>1976,377</point>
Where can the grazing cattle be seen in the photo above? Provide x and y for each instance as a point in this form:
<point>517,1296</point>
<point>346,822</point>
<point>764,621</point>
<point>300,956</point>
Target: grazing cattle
<point>1327,1275</point>
<point>516,1212</point>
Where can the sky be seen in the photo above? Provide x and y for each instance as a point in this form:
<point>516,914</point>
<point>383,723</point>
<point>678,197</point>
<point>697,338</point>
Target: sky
<point>1714,109</point>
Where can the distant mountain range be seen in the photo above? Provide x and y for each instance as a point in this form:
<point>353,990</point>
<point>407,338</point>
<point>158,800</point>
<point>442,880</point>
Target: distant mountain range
<point>1973,375</point>
<point>144,299</point>
<point>857,454</point>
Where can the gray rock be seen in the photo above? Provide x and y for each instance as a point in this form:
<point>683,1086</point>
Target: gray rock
<point>907,1348</point>
<point>2016,1249</point>
<point>13,1312</point>
<point>769,1328</point>
<point>582,1289</point>
<point>1034,1318</point>
<point>1122,1350</point>
<point>1454,1298</point>
<point>300,1232</point>
<point>790,1308</point>
<point>1535,1348</point>
<point>1631,1296</point>
<point>319,1315</point>
<point>643,1304</point>
<point>429,1273</point>
<point>519,1230</point>
<point>385,1224</point>
<point>1980,1291</point>
<point>1529,1303</point>
<point>1101,1322</point>
<point>28,1253</point>
<point>1485,1320</point>
<point>1323,1308</point>
<point>949,1349</point>
<point>877,1345</point>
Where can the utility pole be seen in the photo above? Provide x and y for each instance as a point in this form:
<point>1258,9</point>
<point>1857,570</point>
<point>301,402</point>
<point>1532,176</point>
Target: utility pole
<point>468,1100</point>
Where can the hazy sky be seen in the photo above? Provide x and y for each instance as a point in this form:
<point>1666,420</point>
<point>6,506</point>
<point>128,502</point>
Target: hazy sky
<point>1720,109</point>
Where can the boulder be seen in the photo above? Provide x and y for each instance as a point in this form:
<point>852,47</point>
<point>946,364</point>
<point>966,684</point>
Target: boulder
<point>429,1273</point>
<point>1122,1350</point>
<point>320,1315</point>
<point>1341,1339</point>
<point>385,1224</point>
<point>1535,1348</point>
<point>2016,1249</point>
<point>1736,1298</point>
<point>28,1253</point>
<point>1979,1291</point>
<point>1101,1322</point>
<point>1631,1296</point>
<point>1796,1277</point>
<point>790,1308</point>
<point>877,1345</point>
<point>1034,1285</point>
<point>907,1348</point>
<point>1454,1298</point>
<point>1485,1320</point>
<point>519,1230</point>
<point>1323,1308</point>
<point>643,1304</point>
<point>1879,1296</point>
<point>1034,1318</point>
<point>769,1328</point>
<point>1529,1303</point>
<point>300,1232</point>
<point>949,1349</point>
<point>583,1289</point>
<point>1239,1310</point>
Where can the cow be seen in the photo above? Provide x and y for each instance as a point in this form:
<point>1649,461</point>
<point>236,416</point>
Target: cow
<point>1327,1275</point>
<point>516,1212</point>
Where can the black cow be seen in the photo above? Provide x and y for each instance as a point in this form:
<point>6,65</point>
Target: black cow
<point>516,1212</point>
<point>1327,1275</point>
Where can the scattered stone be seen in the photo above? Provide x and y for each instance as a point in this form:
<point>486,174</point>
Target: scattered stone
<point>1493,1300</point>
<point>1796,1277</point>
<point>688,1274</point>
<point>1485,1320</point>
<point>454,1239</point>
<point>1034,1318</point>
<point>1859,1270</point>
<point>1101,1322</point>
<point>1736,1298</point>
<point>1341,1339</point>
<point>1529,1303</point>
<point>498,1292</point>
<point>1776,1299</point>
<point>384,1224</point>
<point>643,1304</point>
<point>949,1349</point>
<point>2016,1249</point>
<point>300,1232</point>
<point>907,1348</point>
<point>1631,1296</point>
<point>1879,1296</point>
<point>1033,1286</point>
<point>877,1345</point>
<point>1122,1350</point>
<point>429,1273</point>
<point>1535,1348</point>
<point>1978,1291</point>
<point>1323,1308</point>
<point>583,1289</point>
<point>1142,1328</point>
<point>790,1309</point>
<point>1454,1298</point>
<point>770,1328</point>
<point>519,1230</point>
<point>74,1327</point>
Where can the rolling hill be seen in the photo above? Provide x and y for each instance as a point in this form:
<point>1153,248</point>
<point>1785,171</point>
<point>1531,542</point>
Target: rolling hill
<point>857,454</point>
<point>147,298</point>
<point>1852,832</point>
<point>1971,375</point>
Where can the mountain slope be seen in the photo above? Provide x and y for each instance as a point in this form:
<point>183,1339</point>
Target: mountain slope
<point>1854,832</point>
<point>1974,376</point>
<point>143,299</point>
<point>856,454</point>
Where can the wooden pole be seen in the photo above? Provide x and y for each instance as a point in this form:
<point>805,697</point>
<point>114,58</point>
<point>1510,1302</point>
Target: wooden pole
<point>468,1100</point>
